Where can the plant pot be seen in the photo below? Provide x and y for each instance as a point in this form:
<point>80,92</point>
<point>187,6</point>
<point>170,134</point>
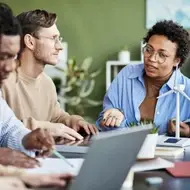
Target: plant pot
<point>148,147</point>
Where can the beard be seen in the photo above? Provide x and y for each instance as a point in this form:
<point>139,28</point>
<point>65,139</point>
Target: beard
<point>43,56</point>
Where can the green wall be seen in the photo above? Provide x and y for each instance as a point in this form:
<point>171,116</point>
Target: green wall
<point>97,28</point>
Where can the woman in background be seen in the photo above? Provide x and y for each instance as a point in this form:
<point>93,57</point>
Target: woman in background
<point>132,96</point>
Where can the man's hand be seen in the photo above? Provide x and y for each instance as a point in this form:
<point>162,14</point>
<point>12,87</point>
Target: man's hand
<point>82,142</point>
<point>39,139</point>
<point>39,180</point>
<point>112,118</point>
<point>80,125</point>
<point>184,128</point>
<point>16,158</point>
<point>11,183</point>
<point>60,130</point>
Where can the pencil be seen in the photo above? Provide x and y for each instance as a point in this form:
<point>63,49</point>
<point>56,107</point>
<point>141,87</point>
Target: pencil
<point>62,157</point>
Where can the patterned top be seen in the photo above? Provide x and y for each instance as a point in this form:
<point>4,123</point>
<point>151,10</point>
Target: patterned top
<point>12,130</point>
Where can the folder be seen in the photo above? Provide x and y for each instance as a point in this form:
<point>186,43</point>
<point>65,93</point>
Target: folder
<point>180,169</point>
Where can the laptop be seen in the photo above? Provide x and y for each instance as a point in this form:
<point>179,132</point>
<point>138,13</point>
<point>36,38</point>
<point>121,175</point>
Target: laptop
<point>74,149</point>
<point>109,159</point>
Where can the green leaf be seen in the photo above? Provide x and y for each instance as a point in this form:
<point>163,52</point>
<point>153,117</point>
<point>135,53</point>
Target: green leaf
<point>96,73</point>
<point>73,101</point>
<point>66,89</point>
<point>78,86</point>
<point>72,81</point>
<point>86,64</point>
<point>90,102</point>
<point>145,122</point>
<point>154,130</point>
<point>60,69</point>
<point>86,88</point>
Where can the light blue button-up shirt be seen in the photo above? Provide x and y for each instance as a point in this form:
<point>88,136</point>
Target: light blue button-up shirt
<point>128,91</point>
<point>12,130</point>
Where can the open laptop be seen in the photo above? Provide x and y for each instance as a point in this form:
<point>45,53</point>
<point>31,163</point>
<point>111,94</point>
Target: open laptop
<point>109,159</point>
<point>74,149</point>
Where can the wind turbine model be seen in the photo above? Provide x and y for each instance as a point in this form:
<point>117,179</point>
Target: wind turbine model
<point>175,141</point>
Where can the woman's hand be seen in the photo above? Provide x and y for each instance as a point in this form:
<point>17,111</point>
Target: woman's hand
<point>112,118</point>
<point>184,128</point>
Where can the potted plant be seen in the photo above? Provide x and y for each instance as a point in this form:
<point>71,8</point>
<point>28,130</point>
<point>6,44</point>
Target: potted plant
<point>75,92</point>
<point>148,147</point>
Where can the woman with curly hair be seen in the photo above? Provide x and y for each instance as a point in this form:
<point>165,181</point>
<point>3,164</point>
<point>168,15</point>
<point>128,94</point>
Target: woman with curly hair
<point>132,96</point>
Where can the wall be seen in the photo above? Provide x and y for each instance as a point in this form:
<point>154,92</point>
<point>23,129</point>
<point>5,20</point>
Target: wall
<point>97,28</point>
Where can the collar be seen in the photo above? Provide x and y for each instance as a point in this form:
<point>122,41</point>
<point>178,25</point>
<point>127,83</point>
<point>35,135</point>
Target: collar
<point>138,73</point>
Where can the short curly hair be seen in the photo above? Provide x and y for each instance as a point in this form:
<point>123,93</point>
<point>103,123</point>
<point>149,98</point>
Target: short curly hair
<point>175,33</point>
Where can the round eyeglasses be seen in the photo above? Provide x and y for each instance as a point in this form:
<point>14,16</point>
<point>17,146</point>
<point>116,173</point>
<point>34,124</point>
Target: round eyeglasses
<point>56,39</point>
<point>159,56</point>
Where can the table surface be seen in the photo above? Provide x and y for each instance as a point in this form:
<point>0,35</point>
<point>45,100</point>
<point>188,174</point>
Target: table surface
<point>169,183</point>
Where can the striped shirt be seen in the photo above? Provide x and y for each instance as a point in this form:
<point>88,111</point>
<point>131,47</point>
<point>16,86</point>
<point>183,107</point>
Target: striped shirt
<point>12,130</point>
<point>128,91</point>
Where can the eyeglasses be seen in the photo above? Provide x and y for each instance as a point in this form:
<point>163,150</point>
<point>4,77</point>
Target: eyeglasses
<point>56,39</point>
<point>159,56</point>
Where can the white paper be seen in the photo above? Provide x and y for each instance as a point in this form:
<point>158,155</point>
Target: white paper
<point>56,165</point>
<point>154,164</point>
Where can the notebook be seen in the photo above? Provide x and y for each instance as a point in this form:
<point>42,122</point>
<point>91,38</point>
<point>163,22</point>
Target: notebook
<point>180,169</point>
<point>169,151</point>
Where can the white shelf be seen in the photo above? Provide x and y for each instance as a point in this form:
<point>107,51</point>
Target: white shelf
<point>115,65</point>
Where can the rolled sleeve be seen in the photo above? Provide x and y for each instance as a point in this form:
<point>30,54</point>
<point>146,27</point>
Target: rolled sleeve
<point>109,104</point>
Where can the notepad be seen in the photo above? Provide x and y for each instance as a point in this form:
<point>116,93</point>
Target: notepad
<point>56,165</point>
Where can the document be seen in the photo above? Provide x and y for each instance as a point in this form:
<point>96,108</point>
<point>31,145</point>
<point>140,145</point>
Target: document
<point>57,165</point>
<point>153,164</point>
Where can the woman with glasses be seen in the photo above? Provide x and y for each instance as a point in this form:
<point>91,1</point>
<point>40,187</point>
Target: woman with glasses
<point>132,96</point>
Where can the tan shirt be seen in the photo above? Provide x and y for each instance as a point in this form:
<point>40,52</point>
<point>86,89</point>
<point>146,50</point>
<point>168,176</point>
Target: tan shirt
<point>33,100</point>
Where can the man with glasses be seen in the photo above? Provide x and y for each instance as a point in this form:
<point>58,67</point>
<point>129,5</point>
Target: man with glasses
<point>132,96</point>
<point>29,91</point>
<point>15,140</point>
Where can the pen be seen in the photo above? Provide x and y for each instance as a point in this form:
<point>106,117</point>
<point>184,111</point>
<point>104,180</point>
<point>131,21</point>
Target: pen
<point>62,157</point>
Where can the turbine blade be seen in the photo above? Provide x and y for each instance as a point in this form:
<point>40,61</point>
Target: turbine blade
<point>184,94</point>
<point>165,94</point>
